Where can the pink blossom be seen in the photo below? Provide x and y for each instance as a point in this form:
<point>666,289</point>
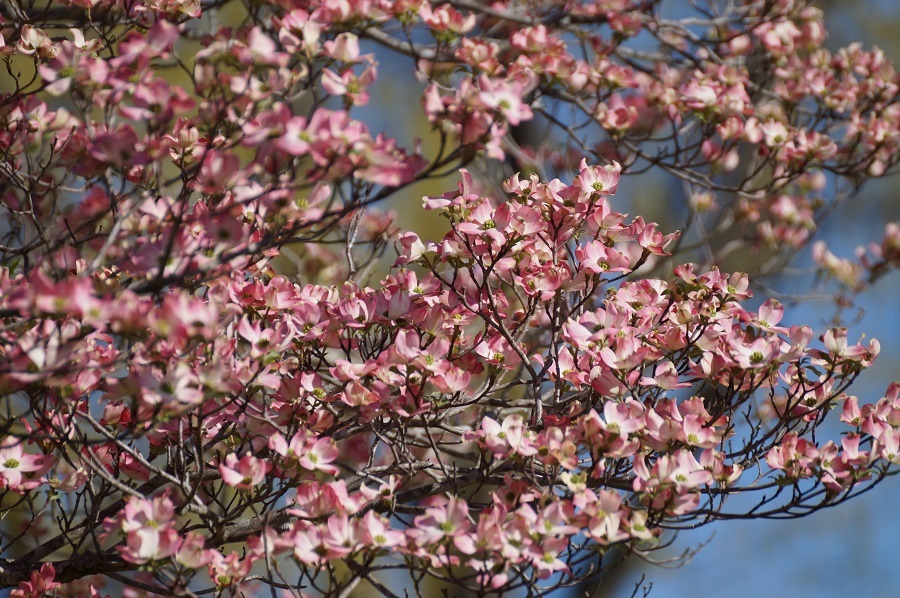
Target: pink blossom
<point>603,180</point>
<point>506,98</point>
<point>243,473</point>
<point>888,446</point>
<point>545,556</point>
<point>510,437</point>
<point>228,571</point>
<point>192,552</point>
<point>41,583</point>
<point>341,537</point>
<point>35,41</point>
<point>836,343</point>
<point>446,18</point>
<point>376,532</point>
<point>597,258</point>
<point>665,377</point>
<point>307,542</point>
<point>18,470</point>
<point>148,527</point>
<point>758,353</point>
<point>795,456</point>
<point>448,520</point>
<point>349,85</point>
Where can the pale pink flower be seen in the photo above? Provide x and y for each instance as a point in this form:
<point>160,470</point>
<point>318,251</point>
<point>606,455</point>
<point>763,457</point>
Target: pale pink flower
<point>665,377</point>
<point>775,133</point>
<point>148,527</point>
<point>506,98</point>
<point>795,456</point>
<point>244,473</point>
<point>446,18</point>
<point>377,532</point>
<point>228,571</point>
<point>341,536</point>
<point>35,41</point>
<point>306,542</point>
<point>449,520</point>
<point>545,556</point>
<point>599,179</point>
<point>18,469</point>
<point>349,85</point>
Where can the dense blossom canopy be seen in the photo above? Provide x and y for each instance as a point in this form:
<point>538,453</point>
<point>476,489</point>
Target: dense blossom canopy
<point>223,370</point>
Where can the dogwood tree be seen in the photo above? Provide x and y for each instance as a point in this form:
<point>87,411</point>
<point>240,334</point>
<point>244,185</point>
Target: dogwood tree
<point>551,387</point>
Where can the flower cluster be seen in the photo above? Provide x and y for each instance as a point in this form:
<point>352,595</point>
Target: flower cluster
<point>597,424</point>
<point>213,382</point>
